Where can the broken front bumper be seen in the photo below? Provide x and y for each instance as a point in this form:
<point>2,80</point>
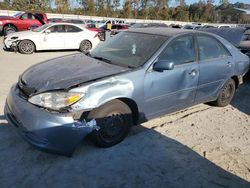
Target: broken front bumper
<point>10,44</point>
<point>53,132</point>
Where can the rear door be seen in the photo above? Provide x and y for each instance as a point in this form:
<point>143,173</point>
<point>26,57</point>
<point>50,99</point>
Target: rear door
<point>175,88</point>
<point>216,66</point>
<point>73,37</point>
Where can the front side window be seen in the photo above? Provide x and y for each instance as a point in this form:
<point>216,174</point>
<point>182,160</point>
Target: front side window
<point>210,48</point>
<point>57,29</point>
<point>24,16</point>
<point>179,51</point>
<point>31,16</point>
<point>41,28</point>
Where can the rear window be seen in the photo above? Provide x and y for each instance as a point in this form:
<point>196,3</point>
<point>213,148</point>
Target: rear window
<point>210,48</point>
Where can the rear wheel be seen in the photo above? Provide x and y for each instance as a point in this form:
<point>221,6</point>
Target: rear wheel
<point>9,29</point>
<point>114,119</point>
<point>226,94</point>
<point>26,47</point>
<point>85,46</point>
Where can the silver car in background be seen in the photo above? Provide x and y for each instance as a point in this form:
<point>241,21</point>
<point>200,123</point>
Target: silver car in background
<point>137,75</point>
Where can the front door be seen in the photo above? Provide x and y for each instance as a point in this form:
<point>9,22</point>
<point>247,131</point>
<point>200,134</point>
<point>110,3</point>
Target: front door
<point>54,39</point>
<point>27,20</point>
<point>169,89</point>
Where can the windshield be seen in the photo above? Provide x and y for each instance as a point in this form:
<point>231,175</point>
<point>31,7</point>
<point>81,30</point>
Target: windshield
<point>41,28</point>
<point>128,49</point>
<point>17,14</point>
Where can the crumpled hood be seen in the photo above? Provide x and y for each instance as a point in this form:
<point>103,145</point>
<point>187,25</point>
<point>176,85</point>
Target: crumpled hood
<point>65,72</point>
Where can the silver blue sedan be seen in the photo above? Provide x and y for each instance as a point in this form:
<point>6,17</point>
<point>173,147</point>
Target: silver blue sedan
<point>137,75</point>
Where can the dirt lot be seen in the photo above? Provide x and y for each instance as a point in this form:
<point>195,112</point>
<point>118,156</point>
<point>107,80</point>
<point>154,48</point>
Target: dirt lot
<point>202,146</point>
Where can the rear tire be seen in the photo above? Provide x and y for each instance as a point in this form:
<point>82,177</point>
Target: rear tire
<point>26,47</point>
<point>226,94</point>
<point>85,46</point>
<point>9,29</point>
<point>114,119</point>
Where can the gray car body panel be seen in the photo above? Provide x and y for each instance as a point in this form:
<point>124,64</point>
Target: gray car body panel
<point>154,93</point>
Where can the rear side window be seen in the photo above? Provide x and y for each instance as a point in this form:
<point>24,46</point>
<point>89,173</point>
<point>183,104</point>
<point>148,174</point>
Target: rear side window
<point>72,29</point>
<point>210,48</point>
<point>179,51</point>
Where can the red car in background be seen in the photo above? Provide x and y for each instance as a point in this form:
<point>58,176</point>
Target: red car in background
<point>21,21</point>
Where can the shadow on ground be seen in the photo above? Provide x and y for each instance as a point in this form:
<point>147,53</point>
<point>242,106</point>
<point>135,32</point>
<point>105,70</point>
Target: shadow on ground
<point>241,100</point>
<point>145,159</point>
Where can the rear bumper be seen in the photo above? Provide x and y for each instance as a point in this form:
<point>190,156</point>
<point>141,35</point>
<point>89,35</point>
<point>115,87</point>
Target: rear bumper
<point>52,132</point>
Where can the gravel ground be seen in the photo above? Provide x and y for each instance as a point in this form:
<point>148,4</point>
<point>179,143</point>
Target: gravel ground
<point>202,146</point>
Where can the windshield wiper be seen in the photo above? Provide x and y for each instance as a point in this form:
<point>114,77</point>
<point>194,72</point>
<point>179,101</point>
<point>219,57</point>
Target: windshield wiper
<point>103,59</point>
<point>108,61</point>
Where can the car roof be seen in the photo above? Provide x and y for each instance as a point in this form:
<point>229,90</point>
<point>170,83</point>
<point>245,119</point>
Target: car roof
<point>64,23</point>
<point>169,32</point>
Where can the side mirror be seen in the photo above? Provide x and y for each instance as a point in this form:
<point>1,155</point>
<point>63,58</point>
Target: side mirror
<point>162,65</point>
<point>47,31</point>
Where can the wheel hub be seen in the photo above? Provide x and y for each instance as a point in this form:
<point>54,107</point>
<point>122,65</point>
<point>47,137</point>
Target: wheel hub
<point>112,126</point>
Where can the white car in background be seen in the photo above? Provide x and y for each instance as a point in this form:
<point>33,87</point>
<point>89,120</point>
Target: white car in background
<point>53,36</point>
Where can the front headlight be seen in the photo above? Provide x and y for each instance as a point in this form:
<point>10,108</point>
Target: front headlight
<point>1,23</point>
<point>56,100</point>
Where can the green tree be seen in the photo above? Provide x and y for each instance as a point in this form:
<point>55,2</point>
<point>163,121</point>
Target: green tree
<point>62,6</point>
<point>126,12</point>
<point>88,6</point>
<point>116,5</point>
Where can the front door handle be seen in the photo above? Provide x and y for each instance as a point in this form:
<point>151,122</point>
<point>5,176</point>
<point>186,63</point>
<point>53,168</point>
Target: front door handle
<point>193,72</point>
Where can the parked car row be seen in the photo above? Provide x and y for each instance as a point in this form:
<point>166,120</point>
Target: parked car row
<point>53,36</point>
<point>31,21</point>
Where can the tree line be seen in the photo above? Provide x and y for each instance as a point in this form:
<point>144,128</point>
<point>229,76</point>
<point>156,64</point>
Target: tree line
<point>202,11</point>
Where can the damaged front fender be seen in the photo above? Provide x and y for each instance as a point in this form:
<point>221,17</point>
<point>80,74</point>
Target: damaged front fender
<point>99,93</point>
